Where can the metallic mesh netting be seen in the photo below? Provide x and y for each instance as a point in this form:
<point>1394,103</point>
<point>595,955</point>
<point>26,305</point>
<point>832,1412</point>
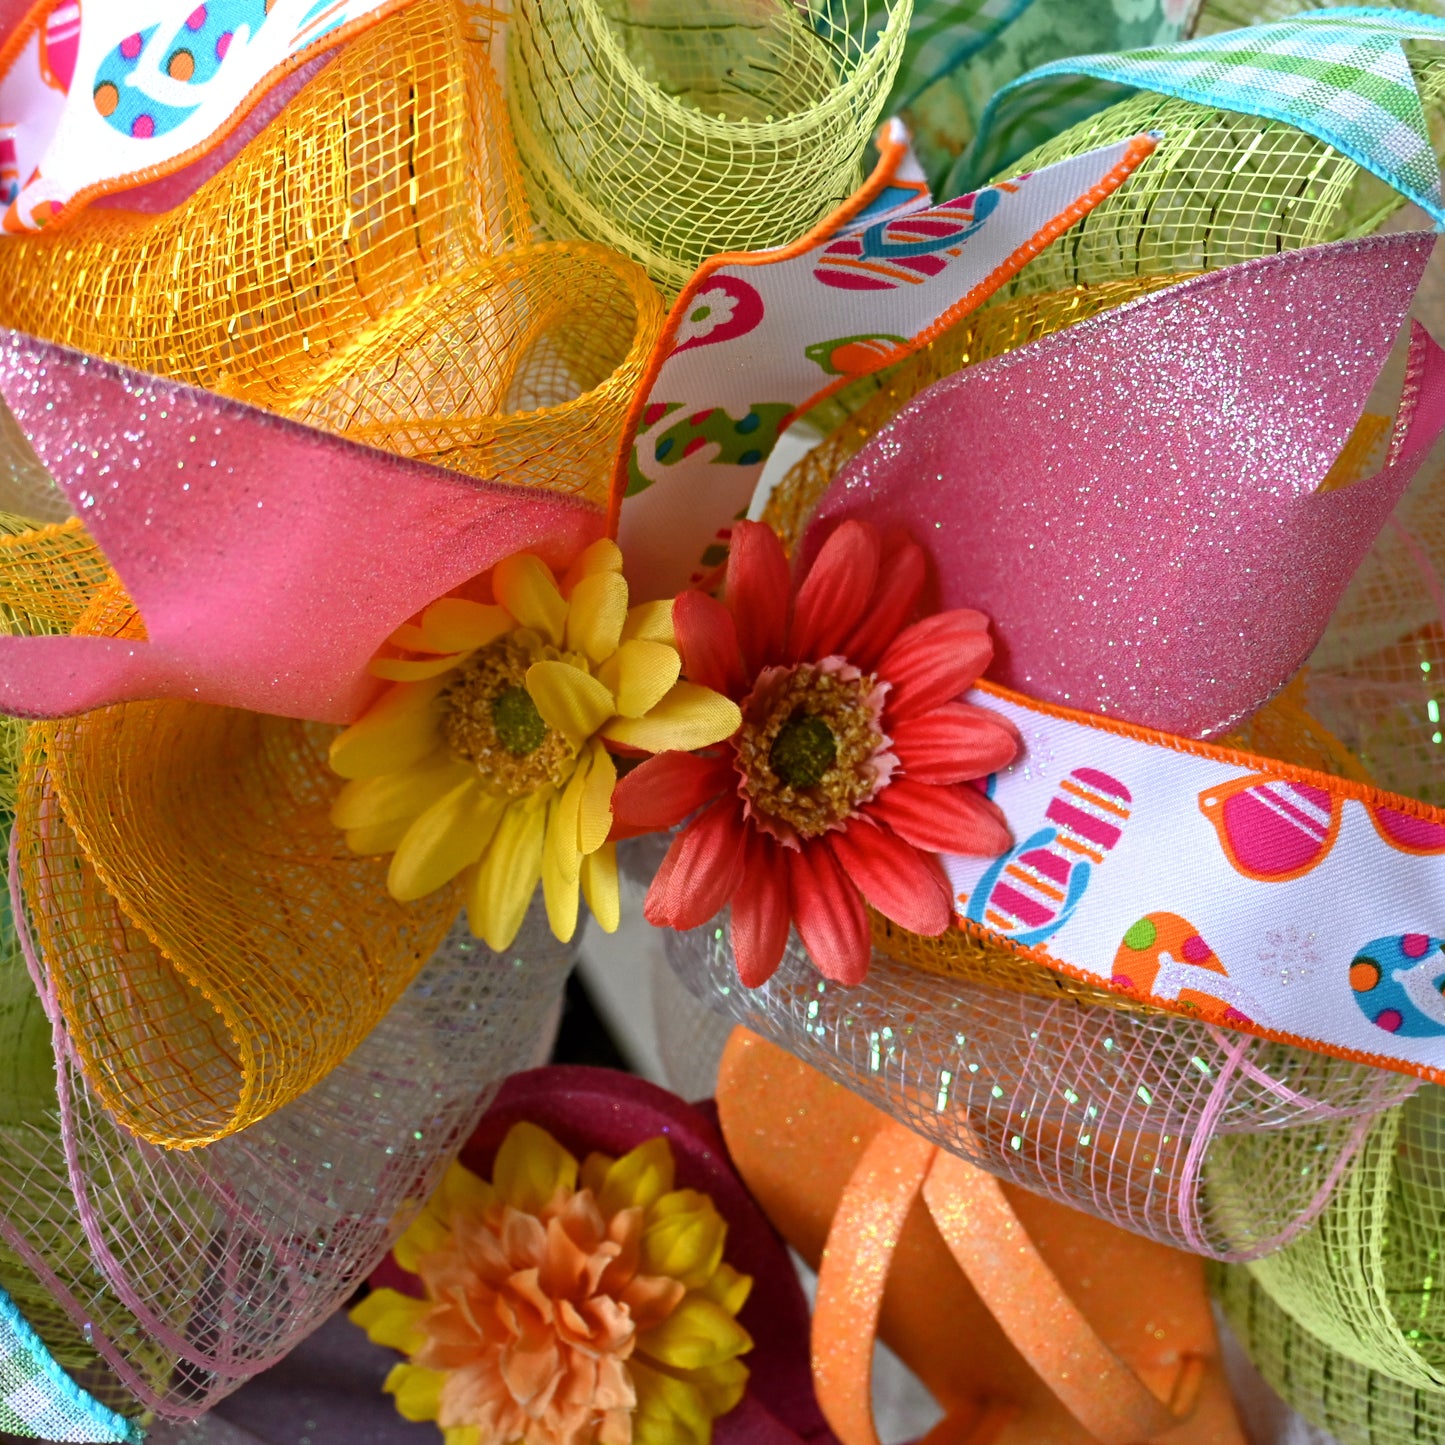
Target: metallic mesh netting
<point>386,290</point>
<point>391,169</point>
<point>675,129</point>
<point>229,950</point>
<point>1214,1142</point>
<point>1357,1405</point>
<point>521,369</point>
<point>194,1270</point>
<point>1362,1278</point>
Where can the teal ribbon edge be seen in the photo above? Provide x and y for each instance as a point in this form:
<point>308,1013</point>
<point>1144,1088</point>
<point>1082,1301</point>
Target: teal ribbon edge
<point>1106,68</point>
<point>118,1428</point>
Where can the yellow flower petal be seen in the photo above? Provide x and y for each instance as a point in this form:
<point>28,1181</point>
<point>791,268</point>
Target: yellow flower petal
<point>604,555</point>
<point>698,1334</point>
<point>563,826</point>
<point>411,637</point>
<point>560,869</point>
<point>392,1319</point>
<point>685,1242</point>
<point>418,1392</point>
<point>729,1288</point>
<point>597,613</point>
<point>688,717</point>
<point>650,622</point>
<point>669,1411</point>
<point>640,674</point>
<point>508,875</point>
<point>467,1434</point>
<point>594,1172</point>
<point>399,729</point>
<point>638,1179</point>
<point>404,794</point>
<point>448,837</point>
<point>374,838</point>
<point>723,1386</point>
<point>524,585</point>
<point>531,1168</point>
<point>460,1189</point>
<point>456,624</point>
<point>405,669</point>
<point>600,888</point>
<point>427,1234</point>
<point>594,820</point>
<point>570,700</point>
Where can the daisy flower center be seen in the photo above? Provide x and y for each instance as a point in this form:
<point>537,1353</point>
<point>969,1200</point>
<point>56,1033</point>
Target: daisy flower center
<point>490,721</point>
<point>811,750</point>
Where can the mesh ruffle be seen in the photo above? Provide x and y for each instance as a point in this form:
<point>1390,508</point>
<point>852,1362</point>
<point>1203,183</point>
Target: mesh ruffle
<point>683,128</point>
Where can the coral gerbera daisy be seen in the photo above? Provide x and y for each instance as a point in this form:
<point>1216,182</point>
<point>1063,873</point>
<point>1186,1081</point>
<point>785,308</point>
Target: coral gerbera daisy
<point>488,754</point>
<point>851,770</point>
<point>566,1307</point>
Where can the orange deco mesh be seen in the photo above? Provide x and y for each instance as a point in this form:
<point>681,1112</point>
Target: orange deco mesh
<point>391,169</point>
<point>215,946</point>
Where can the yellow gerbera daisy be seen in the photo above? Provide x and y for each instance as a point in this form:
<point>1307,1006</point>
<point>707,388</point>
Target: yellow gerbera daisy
<point>588,1306</point>
<point>488,754</point>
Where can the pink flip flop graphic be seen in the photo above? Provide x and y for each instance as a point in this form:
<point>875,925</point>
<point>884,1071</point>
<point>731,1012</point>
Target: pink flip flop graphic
<point>1033,890</point>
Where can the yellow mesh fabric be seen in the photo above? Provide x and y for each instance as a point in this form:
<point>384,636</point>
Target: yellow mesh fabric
<point>389,170</point>
<point>50,574</point>
<point>680,128</point>
<point>520,369</point>
<point>216,947</point>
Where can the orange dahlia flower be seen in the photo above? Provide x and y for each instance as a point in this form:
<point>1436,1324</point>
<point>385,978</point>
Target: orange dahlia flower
<point>852,768</point>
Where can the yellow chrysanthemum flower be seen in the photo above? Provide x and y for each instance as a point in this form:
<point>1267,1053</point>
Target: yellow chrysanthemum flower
<point>566,1305</point>
<point>488,754</point>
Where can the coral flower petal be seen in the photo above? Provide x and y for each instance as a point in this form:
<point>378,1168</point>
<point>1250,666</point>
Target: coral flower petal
<point>448,837</point>
<point>454,624</point>
<point>398,730</point>
<point>900,882</point>
<point>901,577</point>
<point>830,915</point>
<point>935,661</point>
<point>660,792</point>
<point>942,819</point>
<point>570,700</point>
<point>600,887</point>
<point>702,869</point>
<point>524,585</point>
<point>688,717</point>
<point>758,594</point>
<point>640,674</point>
<point>597,615</point>
<point>708,640</point>
<point>836,592</point>
<point>954,743</point>
<point>508,875</point>
<point>760,918</point>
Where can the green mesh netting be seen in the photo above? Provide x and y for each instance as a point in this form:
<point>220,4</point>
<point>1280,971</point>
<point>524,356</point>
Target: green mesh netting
<point>682,128</point>
<point>1357,1405</point>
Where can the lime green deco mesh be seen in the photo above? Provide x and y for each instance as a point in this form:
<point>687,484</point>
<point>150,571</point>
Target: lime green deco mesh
<point>684,128</point>
<point>1221,188</point>
<point>1357,1405</point>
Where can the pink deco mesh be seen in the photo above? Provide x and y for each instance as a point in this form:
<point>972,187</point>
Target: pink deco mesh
<point>1218,1143</point>
<point>192,1271</point>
